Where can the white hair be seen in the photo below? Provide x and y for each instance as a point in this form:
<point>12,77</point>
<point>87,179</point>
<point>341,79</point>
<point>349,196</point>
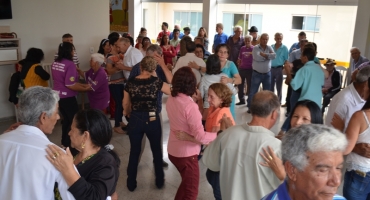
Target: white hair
<point>363,75</point>
<point>34,101</point>
<point>355,48</point>
<point>238,27</point>
<point>248,36</point>
<point>97,57</point>
<point>310,138</point>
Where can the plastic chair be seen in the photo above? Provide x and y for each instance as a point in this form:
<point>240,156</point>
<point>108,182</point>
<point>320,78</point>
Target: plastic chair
<point>343,71</point>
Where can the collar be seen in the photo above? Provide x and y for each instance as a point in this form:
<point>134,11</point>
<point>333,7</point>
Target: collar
<point>356,97</point>
<point>190,54</point>
<point>128,49</point>
<point>281,46</point>
<point>32,129</point>
<point>182,95</point>
<point>258,129</point>
<point>282,191</point>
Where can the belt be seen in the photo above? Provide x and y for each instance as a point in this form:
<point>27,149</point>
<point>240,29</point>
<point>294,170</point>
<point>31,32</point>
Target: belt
<point>277,66</point>
<point>260,72</point>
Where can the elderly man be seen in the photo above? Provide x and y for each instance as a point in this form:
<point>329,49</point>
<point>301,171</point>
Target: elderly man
<point>235,42</point>
<point>190,57</point>
<point>278,63</point>
<point>132,56</point>
<point>262,56</point>
<point>356,61</point>
<point>253,31</point>
<point>313,158</point>
<point>163,73</point>
<point>235,152</point>
<point>301,36</point>
<point>180,34</point>
<point>24,170</point>
<point>220,37</point>
<point>332,84</point>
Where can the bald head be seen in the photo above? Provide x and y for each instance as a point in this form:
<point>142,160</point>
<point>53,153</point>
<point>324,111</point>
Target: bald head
<point>264,103</point>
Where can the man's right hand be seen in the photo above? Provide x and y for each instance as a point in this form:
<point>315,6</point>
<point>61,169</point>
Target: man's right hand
<point>362,149</point>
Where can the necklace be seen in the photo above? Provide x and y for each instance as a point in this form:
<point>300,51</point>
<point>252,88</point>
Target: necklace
<point>84,160</point>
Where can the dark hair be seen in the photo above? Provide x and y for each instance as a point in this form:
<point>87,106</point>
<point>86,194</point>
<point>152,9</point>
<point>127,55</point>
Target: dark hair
<point>309,52</point>
<point>367,103</point>
<point>67,35</point>
<point>190,46</point>
<point>22,62</point>
<point>165,24</point>
<point>184,81</point>
<point>145,38</point>
<point>311,45</point>
<point>131,40</point>
<point>65,51</point>
<point>101,46</point>
<point>113,35</point>
<point>302,33</point>
<point>315,111</point>
<point>175,30</point>
<point>34,55</point>
<point>98,125</point>
<point>202,47</point>
<point>162,41</point>
<point>113,40</point>
<point>213,65</point>
<point>142,29</point>
<point>220,46</point>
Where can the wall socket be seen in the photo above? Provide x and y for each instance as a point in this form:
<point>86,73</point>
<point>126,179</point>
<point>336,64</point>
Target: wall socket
<point>92,50</point>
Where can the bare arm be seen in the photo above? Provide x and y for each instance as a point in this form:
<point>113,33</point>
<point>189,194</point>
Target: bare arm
<point>353,130</point>
<point>80,87</point>
<point>126,104</point>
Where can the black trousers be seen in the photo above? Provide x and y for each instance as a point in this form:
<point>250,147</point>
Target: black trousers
<point>68,107</point>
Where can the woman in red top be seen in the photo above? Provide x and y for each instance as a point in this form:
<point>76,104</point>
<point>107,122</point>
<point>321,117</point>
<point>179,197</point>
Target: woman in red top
<point>168,50</point>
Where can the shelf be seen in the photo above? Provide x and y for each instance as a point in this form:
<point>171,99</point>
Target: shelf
<point>10,62</point>
<point>8,48</point>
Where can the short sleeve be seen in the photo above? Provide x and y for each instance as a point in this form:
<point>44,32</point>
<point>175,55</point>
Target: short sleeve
<point>71,74</point>
<point>159,84</point>
<point>233,69</point>
<point>128,86</point>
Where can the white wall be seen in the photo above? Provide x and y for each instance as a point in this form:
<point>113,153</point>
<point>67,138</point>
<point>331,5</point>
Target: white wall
<point>41,24</point>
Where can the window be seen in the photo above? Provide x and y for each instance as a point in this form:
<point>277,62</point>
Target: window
<point>230,20</point>
<point>193,20</point>
<point>145,17</point>
<point>307,23</point>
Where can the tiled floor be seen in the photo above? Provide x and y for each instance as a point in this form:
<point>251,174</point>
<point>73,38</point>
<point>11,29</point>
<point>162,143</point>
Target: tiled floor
<point>146,188</point>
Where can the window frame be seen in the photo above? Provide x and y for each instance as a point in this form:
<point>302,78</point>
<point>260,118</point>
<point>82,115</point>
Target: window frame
<point>304,23</point>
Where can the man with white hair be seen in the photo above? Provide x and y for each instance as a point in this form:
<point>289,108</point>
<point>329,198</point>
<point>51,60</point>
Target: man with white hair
<point>235,42</point>
<point>131,57</point>
<point>97,78</point>
<point>313,158</point>
<point>178,27</point>
<point>25,173</point>
<point>356,61</point>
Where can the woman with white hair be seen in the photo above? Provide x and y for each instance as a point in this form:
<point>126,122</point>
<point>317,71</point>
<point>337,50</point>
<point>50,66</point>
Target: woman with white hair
<point>98,79</point>
<point>313,160</point>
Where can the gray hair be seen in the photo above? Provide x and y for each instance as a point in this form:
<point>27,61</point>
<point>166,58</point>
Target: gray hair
<point>355,48</point>
<point>363,75</point>
<point>263,103</point>
<point>34,101</point>
<point>154,48</point>
<point>237,27</point>
<point>278,33</point>
<point>248,36</point>
<point>310,138</point>
<point>97,57</point>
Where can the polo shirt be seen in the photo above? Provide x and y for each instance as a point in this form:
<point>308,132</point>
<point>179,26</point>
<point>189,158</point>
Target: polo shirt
<point>345,103</point>
<point>219,39</point>
<point>310,78</point>
<point>99,94</point>
<point>281,55</point>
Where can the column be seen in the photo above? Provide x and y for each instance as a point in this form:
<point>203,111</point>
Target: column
<point>361,36</point>
<point>209,20</point>
<point>134,17</point>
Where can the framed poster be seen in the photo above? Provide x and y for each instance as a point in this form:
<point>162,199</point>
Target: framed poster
<point>118,15</point>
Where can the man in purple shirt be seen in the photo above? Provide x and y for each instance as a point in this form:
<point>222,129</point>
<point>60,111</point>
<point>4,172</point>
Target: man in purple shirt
<point>245,61</point>
<point>98,79</point>
<point>235,42</point>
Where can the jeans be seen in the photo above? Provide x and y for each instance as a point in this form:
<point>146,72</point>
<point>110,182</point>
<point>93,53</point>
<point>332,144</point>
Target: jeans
<point>246,75</point>
<point>140,124</point>
<point>213,179</point>
<point>293,100</point>
<point>257,79</point>
<point>356,187</point>
<point>277,77</point>
<point>116,91</point>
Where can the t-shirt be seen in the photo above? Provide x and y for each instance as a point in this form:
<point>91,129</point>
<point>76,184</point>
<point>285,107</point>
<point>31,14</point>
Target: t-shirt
<point>143,93</point>
<point>64,74</point>
<point>246,58</point>
<point>99,95</point>
<point>219,39</point>
<point>215,115</point>
<point>230,70</point>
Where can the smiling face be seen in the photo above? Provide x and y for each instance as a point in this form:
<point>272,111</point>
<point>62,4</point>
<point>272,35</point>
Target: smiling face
<point>199,52</point>
<point>213,99</point>
<point>321,177</point>
<point>301,115</point>
<point>107,48</point>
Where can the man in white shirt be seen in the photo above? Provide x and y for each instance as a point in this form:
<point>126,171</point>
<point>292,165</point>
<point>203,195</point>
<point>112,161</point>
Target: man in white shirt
<point>190,57</point>
<point>132,56</point>
<point>235,152</point>
<point>25,173</point>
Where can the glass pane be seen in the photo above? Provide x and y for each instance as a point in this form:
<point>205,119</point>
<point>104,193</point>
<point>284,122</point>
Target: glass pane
<point>310,23</point>
<point>228,19</point>
<point>297,22</point>
<point>256,20</point>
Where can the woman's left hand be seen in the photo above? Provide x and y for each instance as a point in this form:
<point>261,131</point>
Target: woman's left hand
<point>61,160</point>
<point>193,65</point>
<point>225,122</point>
<point>274,162</point>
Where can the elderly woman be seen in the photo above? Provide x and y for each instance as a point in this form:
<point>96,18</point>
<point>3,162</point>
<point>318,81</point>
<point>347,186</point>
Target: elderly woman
<point>168,51</point>
<point>65,76</point>
<point>313,159</point>
<point>245,61</point>
<point>32,72</point>
<point>140,104</point>
<point>184,115</point>
<point>96,162</point>
<point>97,78</point>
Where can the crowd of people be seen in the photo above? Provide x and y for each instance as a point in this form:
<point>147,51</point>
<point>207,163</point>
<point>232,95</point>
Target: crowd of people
<point>127,79</point>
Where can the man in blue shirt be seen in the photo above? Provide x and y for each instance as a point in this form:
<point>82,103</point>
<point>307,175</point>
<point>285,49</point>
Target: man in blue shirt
<point>220,37</point>
<point>181,34</point>
<point>277,64</point>
<point>301,36</point>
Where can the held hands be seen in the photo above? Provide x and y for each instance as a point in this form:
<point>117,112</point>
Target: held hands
<point>62,161</point>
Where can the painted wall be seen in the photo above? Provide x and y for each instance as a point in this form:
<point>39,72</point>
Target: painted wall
<point>41,24</point>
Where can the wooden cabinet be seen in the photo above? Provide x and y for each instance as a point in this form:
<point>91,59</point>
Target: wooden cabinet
<point>10,51</point>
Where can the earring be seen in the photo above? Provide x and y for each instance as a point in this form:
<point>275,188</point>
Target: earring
<point>83,145</point>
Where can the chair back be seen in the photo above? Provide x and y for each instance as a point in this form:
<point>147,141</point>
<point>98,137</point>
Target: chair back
<point>343,71</point>
<point>47,68</point>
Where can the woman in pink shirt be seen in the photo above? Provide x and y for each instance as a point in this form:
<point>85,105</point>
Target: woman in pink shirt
<point>184,115</point>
